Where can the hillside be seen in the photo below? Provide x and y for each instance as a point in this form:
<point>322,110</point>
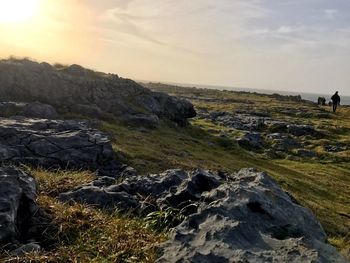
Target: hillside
<point>77,90</point>
<point>89,216</point>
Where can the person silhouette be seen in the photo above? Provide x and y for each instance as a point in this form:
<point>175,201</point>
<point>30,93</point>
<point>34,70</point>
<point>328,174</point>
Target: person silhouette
<point>335,101</point>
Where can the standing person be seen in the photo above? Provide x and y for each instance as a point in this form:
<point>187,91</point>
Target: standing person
<point>336,101</point>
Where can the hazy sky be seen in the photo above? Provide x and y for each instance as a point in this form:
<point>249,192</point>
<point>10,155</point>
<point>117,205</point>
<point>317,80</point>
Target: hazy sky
<point>292,45</point>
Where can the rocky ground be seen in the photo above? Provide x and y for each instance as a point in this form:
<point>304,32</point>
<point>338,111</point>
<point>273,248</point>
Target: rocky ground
<point>215,217</point>
<point>74,89</point>
<point>276,126</point>
<point>145,188</point>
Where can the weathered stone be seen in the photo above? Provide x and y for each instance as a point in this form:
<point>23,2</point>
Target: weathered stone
<point>25,249</point>
<point>251,141</point>
<point>40,110</point>
<point>102,198</point>
<point>249,219</point>
<point>302,130</point>
<point>64,88</point>
<point>277,126</point>
<point>55,144</point>
<point>239,121</point>
<point>17,203</point>
<point>245,217</point>
<point>282,142</point>
<point>336,148</point>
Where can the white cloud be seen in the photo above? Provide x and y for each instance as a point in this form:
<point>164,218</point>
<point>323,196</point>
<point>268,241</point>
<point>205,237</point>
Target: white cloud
<point>331,13</point>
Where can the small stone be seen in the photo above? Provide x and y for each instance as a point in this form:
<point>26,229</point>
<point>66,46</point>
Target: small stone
<point>25,249</point>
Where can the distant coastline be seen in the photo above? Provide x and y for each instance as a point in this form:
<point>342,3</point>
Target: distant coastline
<point>345,100</point>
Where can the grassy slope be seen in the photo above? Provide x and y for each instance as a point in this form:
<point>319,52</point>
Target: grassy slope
<point>323,187</point>
<point>320,184</point>
<point>84,234</point>
<point>80,233</point>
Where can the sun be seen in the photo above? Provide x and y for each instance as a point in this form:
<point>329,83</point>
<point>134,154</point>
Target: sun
<point>12,11</point>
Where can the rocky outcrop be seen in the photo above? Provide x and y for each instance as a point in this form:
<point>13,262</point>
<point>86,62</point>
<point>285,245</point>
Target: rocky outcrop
<point>249,219</point>
<point>244,217</point>
<point>65,87</point>
<point>31,110</point>
<point>55,144</point>
<point>251,141</point>
<point>302,130</point>
<point>237,120</point>
<point>18,209</point>
<point>40,110</point>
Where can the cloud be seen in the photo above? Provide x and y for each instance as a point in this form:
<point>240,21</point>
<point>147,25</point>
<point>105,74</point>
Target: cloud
<point>189,26</point>
<point>256,43</point>
<point>331,13</point>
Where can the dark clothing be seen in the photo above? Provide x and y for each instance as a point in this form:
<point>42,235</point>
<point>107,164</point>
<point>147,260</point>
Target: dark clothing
<point>336,101</point>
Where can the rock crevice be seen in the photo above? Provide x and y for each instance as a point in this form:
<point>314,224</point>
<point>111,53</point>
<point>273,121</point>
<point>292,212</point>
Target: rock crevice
<point>244,217</point>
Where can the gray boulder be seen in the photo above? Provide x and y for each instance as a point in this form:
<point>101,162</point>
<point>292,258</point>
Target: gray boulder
<point>281,142</point>
<point>276,126</point>
<point>302,130</point>
<point>239,121</point>
<point>65,87</point>
<point>40,110</point>
<point>31,110</point>
<point>248,219</point>
<point>339,147</point>
<point>245,217</point>
<point>17,203</point>
<point>56,144</point>
<point>251,141</point>
<point>25,249</point>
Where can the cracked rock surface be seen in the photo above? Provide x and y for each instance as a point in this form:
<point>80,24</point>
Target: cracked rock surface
<point>245,217</point>
<point>55,144</point>
<point>17,205</point>
<point>79,90</point>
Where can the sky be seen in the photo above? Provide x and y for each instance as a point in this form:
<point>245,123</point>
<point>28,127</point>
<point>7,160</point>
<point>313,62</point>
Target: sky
<point>289,45</point>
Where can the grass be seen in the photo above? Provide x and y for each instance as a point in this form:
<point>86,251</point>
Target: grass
<point>85,234</point>
<point>79,233</point>
<point>320,184</point>
<point>323,187</point>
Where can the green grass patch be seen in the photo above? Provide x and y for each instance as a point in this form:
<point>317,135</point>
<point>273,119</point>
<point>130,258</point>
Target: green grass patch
<point>81,233</point>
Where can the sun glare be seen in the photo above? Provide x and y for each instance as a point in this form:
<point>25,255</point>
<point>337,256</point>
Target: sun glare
<point>17,10</point>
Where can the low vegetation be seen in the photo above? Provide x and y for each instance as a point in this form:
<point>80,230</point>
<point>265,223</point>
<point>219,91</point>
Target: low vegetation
<point>85,234</point>
<point>79,233</point>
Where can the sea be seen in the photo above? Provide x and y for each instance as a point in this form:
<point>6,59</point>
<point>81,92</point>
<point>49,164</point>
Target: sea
<point>345,100</point>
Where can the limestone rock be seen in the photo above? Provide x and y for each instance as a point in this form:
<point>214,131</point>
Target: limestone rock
<point>302,130</point>
<point>65,87</point>
<point>249,219</point>
<point>55,144</point>
<point>251,141</point>
<point>245,217</point>
<point>25,249</point>
<point>40,110</point>
<point>17,203</point>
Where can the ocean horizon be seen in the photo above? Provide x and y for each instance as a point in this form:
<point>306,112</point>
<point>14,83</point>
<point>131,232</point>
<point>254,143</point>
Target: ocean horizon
<point>345,100</point>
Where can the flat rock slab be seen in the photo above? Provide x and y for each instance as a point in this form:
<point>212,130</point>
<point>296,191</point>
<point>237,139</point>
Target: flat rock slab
<point>245,217</point>
<point>249,219</point>
<point>55,144</point>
